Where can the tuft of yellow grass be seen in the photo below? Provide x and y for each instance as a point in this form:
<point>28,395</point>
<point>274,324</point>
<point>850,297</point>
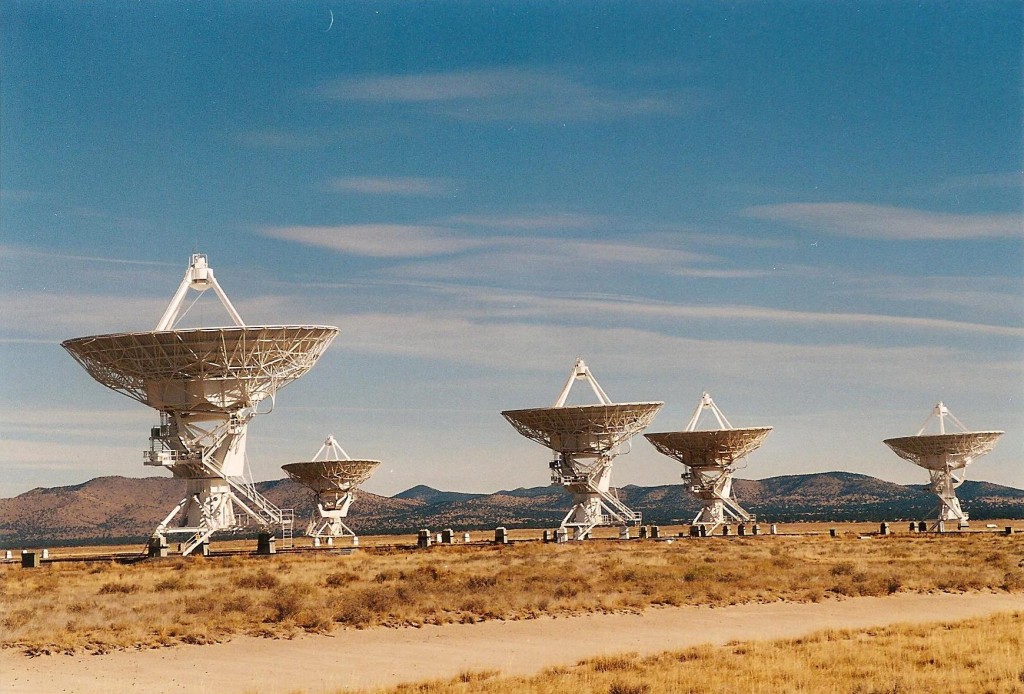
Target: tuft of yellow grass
<point>978,655</point>
<point>100,606</point>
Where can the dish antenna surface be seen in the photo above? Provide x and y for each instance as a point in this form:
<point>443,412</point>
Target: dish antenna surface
<point>333,476</point>
<point>711,457</point>
<point>586,439</point>
<point>945,456</point>
<point>207,384</point>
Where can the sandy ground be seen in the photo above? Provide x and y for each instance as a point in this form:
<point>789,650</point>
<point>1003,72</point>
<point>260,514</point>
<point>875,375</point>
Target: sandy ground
<point>373,657</point>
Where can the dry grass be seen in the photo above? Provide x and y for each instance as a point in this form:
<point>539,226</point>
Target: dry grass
<point>980,655</point>
<point>102,606</point>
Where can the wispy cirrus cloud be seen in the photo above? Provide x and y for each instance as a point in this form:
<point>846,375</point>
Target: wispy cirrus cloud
<point>988,181</point>
<point>528,222</point>
<point>858,220</point>
<point>508,93</point>
<point>378,240</point>
<point>490,340</point>
<point>13,251</point>
<point>383,185</point>
<point>630,307</point>
<point>426,241</point>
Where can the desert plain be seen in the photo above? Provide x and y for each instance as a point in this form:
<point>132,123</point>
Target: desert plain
<point>797,611</point>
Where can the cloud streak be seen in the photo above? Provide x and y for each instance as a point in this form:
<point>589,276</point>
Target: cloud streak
<point>370,185</point>
<point>378,240</point>
<point>861,221</point>
<point>506,93</point>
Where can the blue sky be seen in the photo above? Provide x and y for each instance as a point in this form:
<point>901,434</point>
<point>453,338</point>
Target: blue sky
<point>811,209</point>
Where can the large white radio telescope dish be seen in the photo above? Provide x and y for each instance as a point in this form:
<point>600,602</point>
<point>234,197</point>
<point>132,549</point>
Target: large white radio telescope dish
<point>576,433</point>
<point>333,476</point>
<point>711,457</point>
<point>207,384</point>
<point>946,457</point>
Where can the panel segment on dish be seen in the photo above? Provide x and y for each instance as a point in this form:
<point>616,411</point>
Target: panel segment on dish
<point>711,457</point>
<point>333,476</point>
<point>594,433</point>
<point>207,384</point>
<point>946,457</point>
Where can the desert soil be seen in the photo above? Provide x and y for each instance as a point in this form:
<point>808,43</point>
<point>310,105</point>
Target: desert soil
<point>354,659</point>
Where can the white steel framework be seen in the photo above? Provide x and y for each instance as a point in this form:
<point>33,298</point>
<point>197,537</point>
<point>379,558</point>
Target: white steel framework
<point>711,458</point>
<point>333,476</point>
<point>585,440</point>
<point>207,384</point>
<point>946,457</point>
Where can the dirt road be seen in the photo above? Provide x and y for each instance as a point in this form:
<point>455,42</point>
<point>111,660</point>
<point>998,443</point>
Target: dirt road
<point>354,659</point>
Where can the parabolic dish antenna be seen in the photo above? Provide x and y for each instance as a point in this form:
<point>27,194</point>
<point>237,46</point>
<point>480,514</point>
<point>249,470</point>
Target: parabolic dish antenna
<point>946,457</point>
<point>711,456</point>
<point>576,433</point>
<point>333,477</point>
<point>207,384</point>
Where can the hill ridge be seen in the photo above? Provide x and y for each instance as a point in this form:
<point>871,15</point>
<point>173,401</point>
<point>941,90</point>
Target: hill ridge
<point>116,508</point>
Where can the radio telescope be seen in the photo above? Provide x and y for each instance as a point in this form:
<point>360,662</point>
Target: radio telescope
<point>207,384</point>
<point>711,457</point>
<point>586,439</point>
<point>945,457</point>
<point>333,478</point>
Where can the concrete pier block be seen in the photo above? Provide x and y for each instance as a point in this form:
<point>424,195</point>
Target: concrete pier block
<point>448,536</point>
<point>501,535</point>
<point>1008,530</point>
<point>624,533</point>
<point>157,548</point>
<point>832,532</point>
<point>726,530</point>
<point>266,544</point>
<point>655,532</point>
<point>546,536</point>
<point>423,539</point>
<point>922,527</point>
<point>562,535</point>
<point>773,529</point>
<point>30,560</point>
<point>46,553</point>
<point>741,530</point>
<point>465,538</point>
<point>883,529</point>
<point>355,541</point>
<point>756,529</point>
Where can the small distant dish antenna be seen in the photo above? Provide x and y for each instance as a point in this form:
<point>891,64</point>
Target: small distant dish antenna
<point>711,457</point>
<point>945,456</point>
<point>333,476</point>
<point>207,384</point>
<point>585,440</point>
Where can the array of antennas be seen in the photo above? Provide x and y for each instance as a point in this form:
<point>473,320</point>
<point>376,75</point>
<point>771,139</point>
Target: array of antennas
<point>207,384</point>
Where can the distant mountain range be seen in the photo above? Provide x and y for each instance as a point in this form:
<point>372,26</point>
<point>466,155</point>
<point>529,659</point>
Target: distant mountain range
<point>121,509</point>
